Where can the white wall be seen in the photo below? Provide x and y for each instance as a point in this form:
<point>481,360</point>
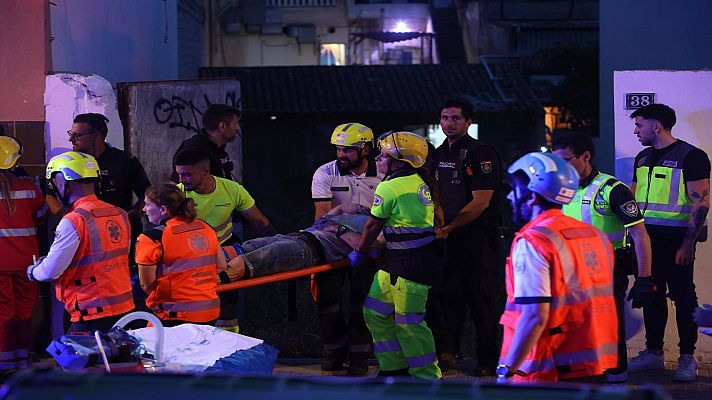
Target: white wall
<point>689,93</point>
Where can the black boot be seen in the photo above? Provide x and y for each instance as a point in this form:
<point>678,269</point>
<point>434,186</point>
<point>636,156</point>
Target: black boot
<point>358,364</point>
<point>334,360</point>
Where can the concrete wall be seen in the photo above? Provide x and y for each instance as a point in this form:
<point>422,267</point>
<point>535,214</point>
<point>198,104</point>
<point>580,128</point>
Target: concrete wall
<point>122,41</point>
<point>656,35</point>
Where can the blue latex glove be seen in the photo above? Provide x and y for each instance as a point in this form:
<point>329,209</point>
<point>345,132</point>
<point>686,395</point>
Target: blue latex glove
<point>356,258</point>
<point>29,273</point>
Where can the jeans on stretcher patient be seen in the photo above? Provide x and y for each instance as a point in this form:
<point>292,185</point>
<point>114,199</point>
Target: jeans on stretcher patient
<point>329,239</point>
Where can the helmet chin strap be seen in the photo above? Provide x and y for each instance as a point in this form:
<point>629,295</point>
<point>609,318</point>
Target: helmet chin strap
<point>64,197</point>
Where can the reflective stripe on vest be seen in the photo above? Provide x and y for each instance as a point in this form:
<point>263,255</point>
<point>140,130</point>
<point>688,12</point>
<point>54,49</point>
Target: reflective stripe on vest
<point>105,301</point>
<point>20,194</point>
<point>185,265</point>
<point>188,306</point>
<point>609,224</point>
<point>573,358</point>
<point>13,232</point>
<point>98,253</point>
<point>403,238</point>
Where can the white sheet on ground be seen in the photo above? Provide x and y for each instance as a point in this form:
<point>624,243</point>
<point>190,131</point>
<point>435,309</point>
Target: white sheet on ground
<point>194,348</point>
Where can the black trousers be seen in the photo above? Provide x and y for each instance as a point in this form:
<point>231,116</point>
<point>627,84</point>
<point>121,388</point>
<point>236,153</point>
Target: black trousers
<point>620,285</point>
<point>99,324</point>
<point>674,281</point>
<point>336,333</point>
<point>474,278</point>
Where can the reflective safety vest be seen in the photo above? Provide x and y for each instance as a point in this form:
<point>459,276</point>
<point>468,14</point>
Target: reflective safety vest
<point>660,188</point>
<point>408,205</point>
<point>18,231</point>
<point>581,335</point>
<point>97,283</point>
<point>591,205</point>
<point>187,273</point>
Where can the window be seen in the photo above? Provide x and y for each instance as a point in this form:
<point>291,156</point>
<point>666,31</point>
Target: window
<point>332,54</point>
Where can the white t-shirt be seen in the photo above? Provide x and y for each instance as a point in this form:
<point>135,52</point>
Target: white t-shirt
<point>532,274</point>
<point>66,243</point>
<point>329,184</point>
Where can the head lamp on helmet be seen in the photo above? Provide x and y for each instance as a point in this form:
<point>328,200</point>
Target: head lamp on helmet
<point>405,146</point>
<point>73,165</point>
<point>10,151</point>
<point>352,135</point>
<point>549,175</point>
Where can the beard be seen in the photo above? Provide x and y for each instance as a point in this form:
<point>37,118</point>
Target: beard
<point>346,164</point>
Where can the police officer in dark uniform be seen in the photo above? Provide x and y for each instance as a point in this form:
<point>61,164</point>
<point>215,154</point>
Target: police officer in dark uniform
<point>608,204</point>
<point>221,125</point>
<point>469,179</point>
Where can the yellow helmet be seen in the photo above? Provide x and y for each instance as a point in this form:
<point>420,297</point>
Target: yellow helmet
<point>10,151</point>
<point>405,146</point>
<point>352,135</point>
<point>73,165</point>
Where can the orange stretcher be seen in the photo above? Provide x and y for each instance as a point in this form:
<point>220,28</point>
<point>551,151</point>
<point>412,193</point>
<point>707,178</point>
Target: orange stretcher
<point>281,276</point>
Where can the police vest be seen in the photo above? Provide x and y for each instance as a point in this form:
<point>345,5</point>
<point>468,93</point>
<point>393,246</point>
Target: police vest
<point>580,338</point>
<point>186,274</point>
<point>97,283</point>
<point>660,188</point>
<point>592,206</point>
<point>410,224</point>
<point>18,231</point>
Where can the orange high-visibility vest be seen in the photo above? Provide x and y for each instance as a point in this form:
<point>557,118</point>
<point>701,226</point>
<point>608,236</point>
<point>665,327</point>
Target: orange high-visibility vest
<point>97,283</point>
<point>580,338</point>
<point>187,273</point>
<point>18,231</point>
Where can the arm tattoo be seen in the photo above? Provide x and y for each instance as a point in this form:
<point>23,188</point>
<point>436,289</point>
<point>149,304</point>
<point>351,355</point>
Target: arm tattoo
<point>699,215</point>
<point>696,197</point>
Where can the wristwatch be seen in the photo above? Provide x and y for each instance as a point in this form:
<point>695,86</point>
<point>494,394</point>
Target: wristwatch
<point>505,372</point>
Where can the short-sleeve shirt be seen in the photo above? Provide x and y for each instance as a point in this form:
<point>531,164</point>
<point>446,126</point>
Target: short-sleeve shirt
<point>619,198</point>
<point>216,207</point>
<point>339,187</point>
<point>532,274</point>
<point>149,251</point>
<point>696,166</point>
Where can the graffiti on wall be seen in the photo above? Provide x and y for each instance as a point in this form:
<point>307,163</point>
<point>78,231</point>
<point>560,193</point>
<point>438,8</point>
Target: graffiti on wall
<point>179,112</point>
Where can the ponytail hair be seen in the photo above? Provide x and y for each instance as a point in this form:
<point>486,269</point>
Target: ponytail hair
<point>6,178</point>
<point>177,205</point>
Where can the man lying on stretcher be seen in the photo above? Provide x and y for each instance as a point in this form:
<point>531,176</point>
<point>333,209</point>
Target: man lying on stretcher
<point>329,239</point>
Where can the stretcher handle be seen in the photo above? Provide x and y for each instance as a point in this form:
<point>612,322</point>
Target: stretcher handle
<point>281,276</point>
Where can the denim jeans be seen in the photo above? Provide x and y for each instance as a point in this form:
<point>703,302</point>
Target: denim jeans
<point>278,253</point>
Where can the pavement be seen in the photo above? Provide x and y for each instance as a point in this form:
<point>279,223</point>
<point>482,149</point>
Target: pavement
<point>310,367</point>
<point>698,390</point>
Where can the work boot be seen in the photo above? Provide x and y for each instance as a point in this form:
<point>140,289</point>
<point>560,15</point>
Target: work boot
<point>358,364</point>
<point>646,361</point>
<point>334,360</point>
<point>447,361</point>
<point>686,368</point>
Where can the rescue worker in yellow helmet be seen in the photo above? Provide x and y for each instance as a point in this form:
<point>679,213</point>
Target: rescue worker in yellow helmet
<point>403,207</point>
<point>89,256</point>
<point>22,208</point>
<point>351,178</point>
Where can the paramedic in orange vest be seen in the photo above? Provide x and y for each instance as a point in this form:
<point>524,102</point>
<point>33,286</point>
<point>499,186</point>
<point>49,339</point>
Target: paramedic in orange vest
<point>178,260</point>
<point>560,318</point>
<point>22,208</point>
<point>89,256</point>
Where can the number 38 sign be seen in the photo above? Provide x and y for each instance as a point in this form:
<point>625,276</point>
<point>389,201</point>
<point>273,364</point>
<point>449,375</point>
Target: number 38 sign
<point>636,100</point>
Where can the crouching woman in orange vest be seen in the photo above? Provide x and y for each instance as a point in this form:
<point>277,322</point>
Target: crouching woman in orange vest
<point>178,260</point>
<point>560,317</point>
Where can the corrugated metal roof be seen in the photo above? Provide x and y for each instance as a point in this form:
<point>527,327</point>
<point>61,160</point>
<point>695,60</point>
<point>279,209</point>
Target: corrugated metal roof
<point>375,89</point>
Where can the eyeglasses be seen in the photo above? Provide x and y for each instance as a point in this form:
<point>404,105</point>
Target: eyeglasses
<point>75,135</point>
<point>567,159</point>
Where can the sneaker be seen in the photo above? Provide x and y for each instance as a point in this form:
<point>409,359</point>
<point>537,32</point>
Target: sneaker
<point>686,368</point>
<point>646,361</point>
<point>617,378</point>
